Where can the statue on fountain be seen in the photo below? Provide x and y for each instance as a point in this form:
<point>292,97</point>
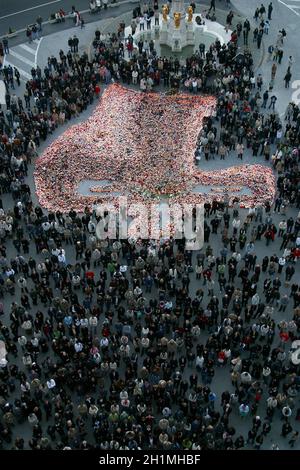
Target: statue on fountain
<point>190,12</point>
<point>165,11</point>
<point>177,17</point>
<point>177,28</point>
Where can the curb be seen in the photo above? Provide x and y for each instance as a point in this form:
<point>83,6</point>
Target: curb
<point>111,5</point>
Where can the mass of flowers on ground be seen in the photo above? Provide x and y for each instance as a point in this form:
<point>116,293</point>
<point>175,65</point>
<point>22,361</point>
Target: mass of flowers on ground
<point>144,145</point>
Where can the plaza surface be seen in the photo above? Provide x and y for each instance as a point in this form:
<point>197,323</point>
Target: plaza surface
<point>50,45</point>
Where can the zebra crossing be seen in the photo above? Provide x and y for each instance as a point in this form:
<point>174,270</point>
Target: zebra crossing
<point>24,57</point>
<point>293,5</point>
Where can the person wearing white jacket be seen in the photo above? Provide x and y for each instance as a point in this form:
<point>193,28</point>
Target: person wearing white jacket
<point>281,264</point>
<point>173,273</point>
<point>199,362</point>
<point>196,331</point>
<point>93,323</point>
<point>236,225</point>
<point>22,283</point>
<point>255,300</point>
<point>264,330</point>
<point>246,378</point>
<point>93,411</point>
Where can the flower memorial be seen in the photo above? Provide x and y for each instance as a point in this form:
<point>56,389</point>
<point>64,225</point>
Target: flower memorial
<point>144,146</point>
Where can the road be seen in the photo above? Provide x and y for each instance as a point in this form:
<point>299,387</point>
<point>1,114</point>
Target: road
<point>17,14</point>
<point>293,5</point>
<point>15,21</point>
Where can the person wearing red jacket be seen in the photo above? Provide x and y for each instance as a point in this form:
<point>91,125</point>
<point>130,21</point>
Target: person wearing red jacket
<point>97,90</point>
<point>234,37</point>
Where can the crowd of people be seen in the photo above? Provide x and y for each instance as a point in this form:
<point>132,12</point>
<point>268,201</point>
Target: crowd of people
<point>125,344</point>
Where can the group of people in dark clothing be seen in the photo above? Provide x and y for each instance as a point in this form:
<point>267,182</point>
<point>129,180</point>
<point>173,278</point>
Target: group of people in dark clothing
<point>144,344</point>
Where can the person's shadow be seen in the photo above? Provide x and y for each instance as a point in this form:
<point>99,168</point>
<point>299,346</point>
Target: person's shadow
<point>2,92</point>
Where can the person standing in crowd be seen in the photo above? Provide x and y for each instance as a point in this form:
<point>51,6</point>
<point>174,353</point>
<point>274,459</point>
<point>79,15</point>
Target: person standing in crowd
<point>5,45</point>
<point>287,77</point>
<point>270,10</point>
<point>75,43</point>
<point>212,6</point>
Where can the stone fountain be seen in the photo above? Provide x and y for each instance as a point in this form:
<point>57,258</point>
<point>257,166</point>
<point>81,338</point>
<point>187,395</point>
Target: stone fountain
<point>178,33</point>
<point>177,27</point>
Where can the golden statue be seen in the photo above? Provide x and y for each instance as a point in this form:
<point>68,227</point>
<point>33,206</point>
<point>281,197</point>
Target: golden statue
<point>165,11</point>
<point>190,14</point>
<point>177,17</point>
